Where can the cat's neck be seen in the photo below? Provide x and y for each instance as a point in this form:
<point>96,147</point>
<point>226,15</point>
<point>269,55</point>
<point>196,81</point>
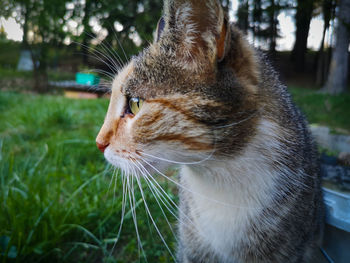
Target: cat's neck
<point>223,197</point>
<point>243,180</point>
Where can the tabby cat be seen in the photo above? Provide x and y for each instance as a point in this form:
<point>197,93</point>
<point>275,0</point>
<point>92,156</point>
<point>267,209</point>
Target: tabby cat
<point>202,97</point>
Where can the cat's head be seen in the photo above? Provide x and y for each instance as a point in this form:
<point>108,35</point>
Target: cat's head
<point>186,98</point>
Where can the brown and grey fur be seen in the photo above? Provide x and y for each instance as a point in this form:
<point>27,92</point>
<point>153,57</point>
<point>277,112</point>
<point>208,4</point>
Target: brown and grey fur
<point>251,187</point>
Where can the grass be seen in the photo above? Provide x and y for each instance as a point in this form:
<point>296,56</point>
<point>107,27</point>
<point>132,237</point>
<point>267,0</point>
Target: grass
<point>56,203</point>
<point>323,109</point>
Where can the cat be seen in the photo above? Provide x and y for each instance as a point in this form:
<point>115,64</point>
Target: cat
<point>202,97</point>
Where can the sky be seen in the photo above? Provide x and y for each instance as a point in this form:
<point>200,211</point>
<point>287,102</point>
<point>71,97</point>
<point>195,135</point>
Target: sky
<point>286,23</point>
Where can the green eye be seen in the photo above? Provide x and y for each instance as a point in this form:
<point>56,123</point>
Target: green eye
<point>135,105</point>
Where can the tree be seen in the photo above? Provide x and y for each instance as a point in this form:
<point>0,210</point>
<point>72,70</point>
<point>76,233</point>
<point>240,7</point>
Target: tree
<point>87,34</point>
<point>136,20</point>
<point>257,19</point>
<point>243,15</point>
<point>272,30</point>
<point>337,78</point>
<point>43,19</point>
<point>328,9</point>
<point>302,20</point>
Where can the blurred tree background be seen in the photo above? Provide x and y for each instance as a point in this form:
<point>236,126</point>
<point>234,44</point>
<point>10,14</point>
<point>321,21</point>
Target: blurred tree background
<point>54,30</point>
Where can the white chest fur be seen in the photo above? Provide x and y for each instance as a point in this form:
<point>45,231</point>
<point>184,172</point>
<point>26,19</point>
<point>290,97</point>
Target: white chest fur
<point>226,194</point>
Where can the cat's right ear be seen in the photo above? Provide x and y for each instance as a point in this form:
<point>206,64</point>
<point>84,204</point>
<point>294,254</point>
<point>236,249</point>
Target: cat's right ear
<point>160,28</point>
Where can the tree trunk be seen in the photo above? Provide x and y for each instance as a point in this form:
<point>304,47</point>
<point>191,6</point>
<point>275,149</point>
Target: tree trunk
<point>320,62</point>
<point>273,27</point>
<point>337,77</point>
<point>303,19</point>
<point>256,19</point>
<point>321,57</point>
<point>243,15</point>
<point>87,32</point>
<point>25,26</point>
<point>41,82</point>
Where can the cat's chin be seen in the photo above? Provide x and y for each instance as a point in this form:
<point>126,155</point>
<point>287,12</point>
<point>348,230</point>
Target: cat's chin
<point>135,166</point>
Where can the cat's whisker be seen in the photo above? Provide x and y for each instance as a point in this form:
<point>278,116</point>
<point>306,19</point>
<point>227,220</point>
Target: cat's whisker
<point>103,72</point>
<point>113,50</point>
<point>111,68</point>
<point>110,60</point>
<point>114,177</point>
<point>110,182</point>
<point>115,61</point>
<point>156,196</point>
<point>238,122</point>
<point>186,163</point>
<point>121,46</point>
<point>124,195</point>
<point>154,223</point>
<point>109,50</point>
<point>150,177</point>
<point>162,194</point>
<point>183,163</point>
<point>115,187</point>
<point>120,60</point>
<point>165,196</point>
<point>196,193</point>
<point>132,202</point>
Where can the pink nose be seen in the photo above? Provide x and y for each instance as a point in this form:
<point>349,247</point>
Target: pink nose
<point>102,147</point>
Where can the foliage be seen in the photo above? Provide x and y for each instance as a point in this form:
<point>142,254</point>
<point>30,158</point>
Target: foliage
<point>58,200</point>
<point>126,22</point>
<point>9,54</point>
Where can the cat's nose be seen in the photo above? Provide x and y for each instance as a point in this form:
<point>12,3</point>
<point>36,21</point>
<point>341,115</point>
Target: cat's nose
<point>102,147</point>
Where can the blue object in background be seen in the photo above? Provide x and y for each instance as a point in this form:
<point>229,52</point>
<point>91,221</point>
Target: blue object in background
<point>336,240</point>
<point>86,79</point>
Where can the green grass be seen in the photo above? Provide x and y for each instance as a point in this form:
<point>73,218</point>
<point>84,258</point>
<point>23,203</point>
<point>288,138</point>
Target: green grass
<point>324,109</point>
<point>55,201</point>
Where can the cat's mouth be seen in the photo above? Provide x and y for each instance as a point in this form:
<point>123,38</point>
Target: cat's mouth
<point>134,162</point>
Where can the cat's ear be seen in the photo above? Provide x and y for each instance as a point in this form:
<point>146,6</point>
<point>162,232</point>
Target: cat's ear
<point>200,29</point>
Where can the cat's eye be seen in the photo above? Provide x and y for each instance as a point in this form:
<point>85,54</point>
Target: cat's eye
<point>135,105</point>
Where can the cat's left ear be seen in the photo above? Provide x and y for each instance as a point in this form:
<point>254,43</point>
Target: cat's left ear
<point>200,28</point>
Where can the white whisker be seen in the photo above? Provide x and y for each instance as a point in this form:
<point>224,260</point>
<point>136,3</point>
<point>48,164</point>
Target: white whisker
<point>110,60</point>
<point>195,193</point>
<point>160,206</point>
<point>176,162</point>
<point>238,122</point>
<point>154,224</point>
<point>132,203</point>
<point>165,197</point>
<point>123,211</point>
<point>109,50</point>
